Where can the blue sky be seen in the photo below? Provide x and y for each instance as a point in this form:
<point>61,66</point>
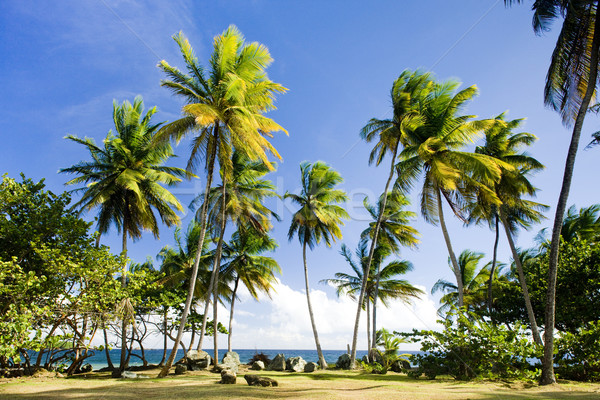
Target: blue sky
<point>63,63</point>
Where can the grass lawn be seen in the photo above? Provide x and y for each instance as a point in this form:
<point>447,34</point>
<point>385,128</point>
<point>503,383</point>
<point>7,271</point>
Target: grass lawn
<point>319,385</point>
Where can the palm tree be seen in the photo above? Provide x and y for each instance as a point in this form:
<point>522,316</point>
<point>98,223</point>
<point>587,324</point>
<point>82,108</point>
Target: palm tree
<point>573,66</point>
<point>394,231</point>
<point>474,279</point>
<point>319,218</point>
<point>406,93</point>
<point>124,180</point>
<point>432,151</point>
<point>241,201</point>
<point>225,107</point>
<point>584,224</point>
<point>389,287</point>
<point>514,212</point>
<point>246,264</point>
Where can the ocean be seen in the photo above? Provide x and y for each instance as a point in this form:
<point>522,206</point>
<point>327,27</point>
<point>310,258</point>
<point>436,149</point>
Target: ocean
<point>153,356</point>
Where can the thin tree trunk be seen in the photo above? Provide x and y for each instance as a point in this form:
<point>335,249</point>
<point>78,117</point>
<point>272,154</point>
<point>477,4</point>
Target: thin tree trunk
<point>205,316</point>
<point>217,268</point>
<point>363,287</point>
<point>164,354</point>
<point>106,351</point>
<point>375,294</point>
<point>190,295</point>
<point>123,360</point>
<point>455,266</point>
<point>534,328</point>
<point>368,330</point>
<point>237,281</point>
<point>493,270</point>
<point>310,311</point>
<point>548,359</point>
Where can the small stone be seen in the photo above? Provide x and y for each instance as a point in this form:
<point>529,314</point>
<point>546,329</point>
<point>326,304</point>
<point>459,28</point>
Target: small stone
<point>180,369</point>
<point>295,364</point>
<point>258,365</point>
<point>311,367</point>
<point>228,377</point>
<point>257,380</point>
<point>129,375</point>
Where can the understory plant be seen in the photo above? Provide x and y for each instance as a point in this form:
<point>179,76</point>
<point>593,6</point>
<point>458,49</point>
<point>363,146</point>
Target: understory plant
<point>578,354</point>
<point>473,348</point>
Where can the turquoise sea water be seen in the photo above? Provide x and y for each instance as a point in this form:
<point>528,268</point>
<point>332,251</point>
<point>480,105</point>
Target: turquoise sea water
<point>154,355</point>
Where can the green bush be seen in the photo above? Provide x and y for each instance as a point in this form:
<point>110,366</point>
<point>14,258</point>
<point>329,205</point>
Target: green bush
<point>474,348</point>
<point>578,354</point>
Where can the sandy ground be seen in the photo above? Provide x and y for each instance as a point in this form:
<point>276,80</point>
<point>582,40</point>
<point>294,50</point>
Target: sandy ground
<point>320,385</point>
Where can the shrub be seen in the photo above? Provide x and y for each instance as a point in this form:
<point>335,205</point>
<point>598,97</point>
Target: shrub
<point>260,357</point>
<point>578,354</point>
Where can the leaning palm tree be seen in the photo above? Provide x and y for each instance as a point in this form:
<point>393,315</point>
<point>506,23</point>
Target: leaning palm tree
<point>570,85</point>
<point>240,202</point>
<point>248,266</point>
<point>433,151</point>
<point>474,280</point>
<point>124,180</point>
<point>225,107</point>
<point>383,280</point>
<point>514,212</point>
<point>319,218</point>
<point>394,232</point>
<point>407,91</point>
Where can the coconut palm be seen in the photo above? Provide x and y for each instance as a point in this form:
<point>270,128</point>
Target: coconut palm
<point>240,202</point>
<point>514,212</point>
<point>433,151</point>
<point>225,107</point>
<point>124,180</point>
<point>384,280</point>
<point>247,265</point>
<point>318,219</point>
<point>583,224</point>
<point>474,280</point>
<point>573,66</point>
<point>407,91</point>
<point>394,232</point>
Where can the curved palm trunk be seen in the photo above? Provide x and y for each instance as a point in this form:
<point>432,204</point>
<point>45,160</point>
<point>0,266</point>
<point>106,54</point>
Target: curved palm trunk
<point>310,311</point>
<point>363,287</point>
<point>493,270</point>
<point>123,361</point>
<point>237,281</point>
<point>368,330</point>
<point>190,295</point>
<point>375,294</point>
<point>216,270</point>
<point>548,359</point>
<point>205,316</point>
<point>455,267</point>
<point>534,328</point>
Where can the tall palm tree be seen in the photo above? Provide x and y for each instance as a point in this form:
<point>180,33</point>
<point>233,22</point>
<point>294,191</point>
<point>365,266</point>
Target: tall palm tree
<point>570,85</point>
<point>584,224</point>
<point>319,218</point>
<point>514,212</point>
<point>124,180</point>
<point>247,265</point>
<point>389,287</point>
<point>474,280</point>
<point>240,201</point>
<point>406,93</point>
<point>433,151</point>
<point>225,107</point>
<point>394,231</point>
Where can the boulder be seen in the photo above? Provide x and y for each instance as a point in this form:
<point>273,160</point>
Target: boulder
<point>180,369</point>
<point>129,375</point>
<point>258,365</point>
<point>85,368</point>
<point>278,363</point>
<point>228,377</point>
<point>231,359</point>
<point>311,367</point>
<point>197,360</point>
<point>257,380</point>
<point>295,364</point>
<point>343,361</point>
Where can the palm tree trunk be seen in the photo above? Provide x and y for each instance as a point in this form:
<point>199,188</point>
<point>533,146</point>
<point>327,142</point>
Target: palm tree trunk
<point>235,286</point>
<point>310,310</point>
<point>534,328</point>
<point>493,270</point>
<point>375,294</point>
<point>205,316</point>
<point>455,267</point>
<point>216,270</point>
<point>123,360</point>
<point>164,355</point>
<point>363,287</point>
<point>190,295</point>
<point>548,359</point>
<point>368,329</point>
